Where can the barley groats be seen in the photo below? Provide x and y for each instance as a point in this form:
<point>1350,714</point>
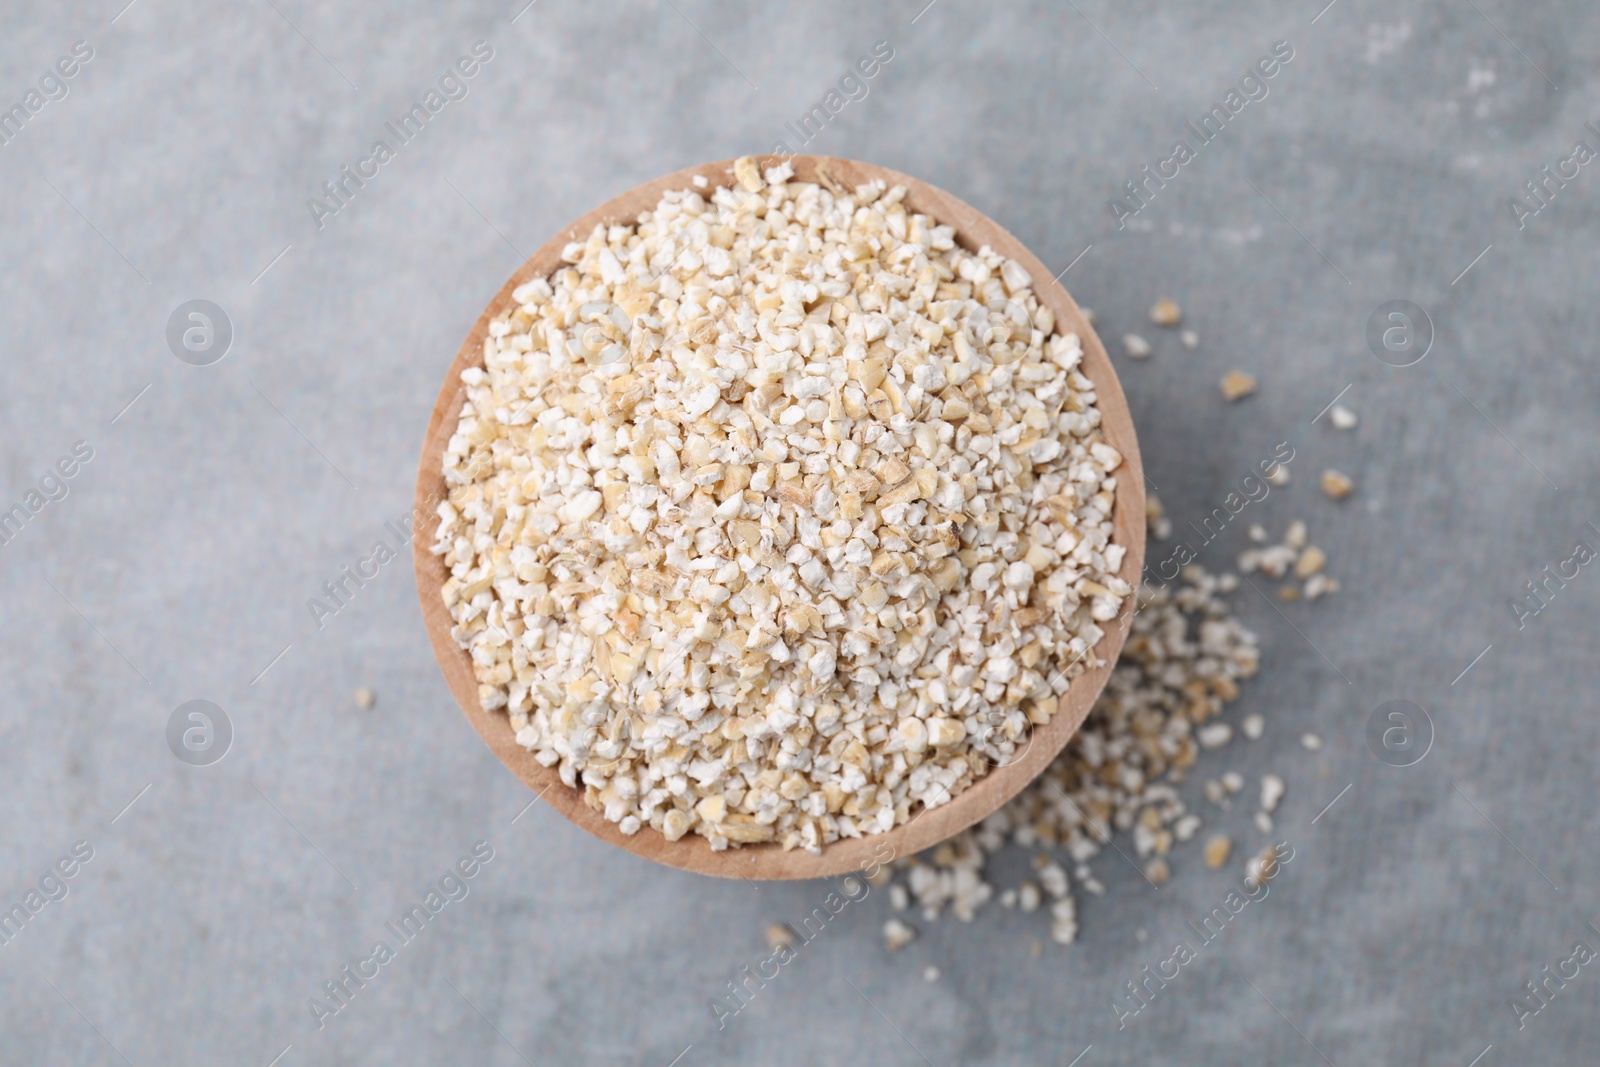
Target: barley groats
<point>776,516</point>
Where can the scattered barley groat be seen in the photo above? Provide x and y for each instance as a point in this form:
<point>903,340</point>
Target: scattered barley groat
<point>1273,561</point>
<point>1064,921</point>
<point>1294,554</point>
<point>1052,876</point>
<point>1320,585</point>
<point>1166,312</point>
<point>1183,660</point>
<point>1136,347</point>
<point>1262,867</point>
<point>780,935</point>
<point>1236,385</point>
<point>1310,742</point>
<point>897,935</point>
<point>1310,562</point>
<point>1190,339</point>
<point>1336,485</point>
<point>774,515</point>
<point>1272,790</point>
<point>1342,417</point>
<point>1156,521</point>
<point>365,698</point>
<point>1120,771</point>
<point>1217,851</point>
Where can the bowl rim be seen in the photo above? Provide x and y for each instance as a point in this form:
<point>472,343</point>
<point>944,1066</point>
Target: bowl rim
<point>768,861</point>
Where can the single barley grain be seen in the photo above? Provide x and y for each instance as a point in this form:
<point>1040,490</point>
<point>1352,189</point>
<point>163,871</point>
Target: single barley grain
<point>1336,485</point>
<point>1236,385</point>
<point>1166,312</point>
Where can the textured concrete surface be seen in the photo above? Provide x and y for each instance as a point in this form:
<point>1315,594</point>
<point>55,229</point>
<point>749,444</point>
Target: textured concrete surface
<point>178,565</point>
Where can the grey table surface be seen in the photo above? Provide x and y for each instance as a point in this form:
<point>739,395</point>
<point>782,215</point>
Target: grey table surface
<point>220,498</point>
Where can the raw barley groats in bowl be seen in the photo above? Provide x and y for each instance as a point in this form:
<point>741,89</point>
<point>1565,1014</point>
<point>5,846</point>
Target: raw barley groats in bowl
<point>776,515</point>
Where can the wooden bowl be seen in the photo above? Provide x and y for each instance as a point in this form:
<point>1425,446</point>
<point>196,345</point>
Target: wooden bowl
<point>769,861</point>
